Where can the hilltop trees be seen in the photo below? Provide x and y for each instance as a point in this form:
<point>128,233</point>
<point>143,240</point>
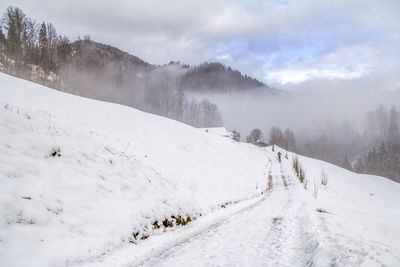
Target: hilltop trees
<point>383,144</point>
<point>14,24</point>
<point>286,140</point>
<point>63,49</point>
<point>236,135</point>
<point>276,137</point>
<point>383,126</point>
<point>24,42</point>
<point>214,76</point>
<point>36,52</point>
<point>201,114</point>
<point>255,136</point>
<point>384,161</point>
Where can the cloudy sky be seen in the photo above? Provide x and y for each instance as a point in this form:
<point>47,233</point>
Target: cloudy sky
<point>289,44</point>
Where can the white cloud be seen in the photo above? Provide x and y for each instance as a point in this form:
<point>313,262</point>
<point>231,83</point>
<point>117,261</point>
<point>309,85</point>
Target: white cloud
<point>287,41</point>
<point>302,75</point>
<point>224,57</point>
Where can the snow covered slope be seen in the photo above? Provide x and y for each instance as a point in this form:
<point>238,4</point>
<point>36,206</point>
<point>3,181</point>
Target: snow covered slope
<point>119,170</point>
<point>80,179</point>
<point>358,223</point>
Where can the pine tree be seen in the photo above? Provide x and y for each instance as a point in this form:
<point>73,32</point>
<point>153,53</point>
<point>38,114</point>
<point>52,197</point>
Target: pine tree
<point>43,45</point>
<point>51,45</point>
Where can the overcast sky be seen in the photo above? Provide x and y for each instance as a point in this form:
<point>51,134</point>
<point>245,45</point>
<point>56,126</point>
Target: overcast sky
<point>289,44</point>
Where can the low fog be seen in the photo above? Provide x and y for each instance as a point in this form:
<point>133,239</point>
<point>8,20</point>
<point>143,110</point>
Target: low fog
<point>306,112</point>
<point>357,129</point>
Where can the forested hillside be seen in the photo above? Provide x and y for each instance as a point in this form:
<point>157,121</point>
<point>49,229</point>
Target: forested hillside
<point>35,51</point>
<point>215,77</point>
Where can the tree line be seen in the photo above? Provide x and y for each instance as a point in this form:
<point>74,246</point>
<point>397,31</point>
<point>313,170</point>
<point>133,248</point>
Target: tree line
<point>285,139</point>
<point>374,149</point>
<point>35,51</point>
<point>24,43</point>
<point>384,137</point>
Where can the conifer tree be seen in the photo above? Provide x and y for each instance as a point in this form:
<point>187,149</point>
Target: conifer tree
<point>43,44</point>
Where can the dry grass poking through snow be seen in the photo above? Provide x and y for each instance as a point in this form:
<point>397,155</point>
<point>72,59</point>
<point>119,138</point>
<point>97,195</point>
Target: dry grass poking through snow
<point>284,181</point>
<point>298,169</point>
<point>324,178</point>
<point>270,184</point>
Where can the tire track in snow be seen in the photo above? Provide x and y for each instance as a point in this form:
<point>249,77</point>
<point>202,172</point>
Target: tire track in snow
<point>164,253</point>
<point>162,242</point>
<point>266,234</point>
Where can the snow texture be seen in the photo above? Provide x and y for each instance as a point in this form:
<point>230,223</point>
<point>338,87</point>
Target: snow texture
<point>79,177</point>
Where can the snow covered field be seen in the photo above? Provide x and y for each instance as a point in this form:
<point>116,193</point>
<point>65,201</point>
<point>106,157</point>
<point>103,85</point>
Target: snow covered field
<point>79,178</point>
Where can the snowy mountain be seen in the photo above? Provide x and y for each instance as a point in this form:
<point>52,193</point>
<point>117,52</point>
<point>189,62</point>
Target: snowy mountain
<point>90,183</point>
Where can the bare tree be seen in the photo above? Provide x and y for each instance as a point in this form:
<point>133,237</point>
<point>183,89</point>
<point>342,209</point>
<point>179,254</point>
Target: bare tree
<point>236,135</point>
<point>255,136</point>
<point>276,136</point>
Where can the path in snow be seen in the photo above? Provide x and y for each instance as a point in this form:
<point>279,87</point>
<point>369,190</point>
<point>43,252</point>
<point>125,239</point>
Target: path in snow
<point>269,234</point>
<point>280,228</point>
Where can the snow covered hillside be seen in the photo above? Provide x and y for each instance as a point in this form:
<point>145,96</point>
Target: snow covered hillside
<point>85,182</point>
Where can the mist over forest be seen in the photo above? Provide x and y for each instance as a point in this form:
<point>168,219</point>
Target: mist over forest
<point>310,112</point>
<point>338,126</point>
<point>357,128</point>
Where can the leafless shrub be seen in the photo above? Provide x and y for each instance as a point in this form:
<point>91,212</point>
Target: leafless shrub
<point>270,184</point>
<point>324,178</point>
